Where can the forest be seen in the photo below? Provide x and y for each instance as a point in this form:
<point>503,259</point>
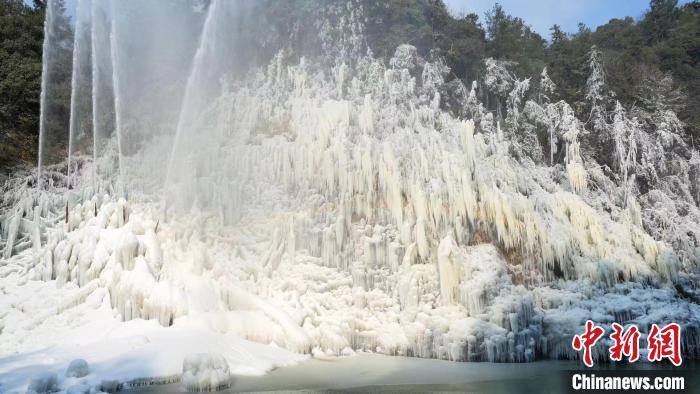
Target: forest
<point>648,64</point>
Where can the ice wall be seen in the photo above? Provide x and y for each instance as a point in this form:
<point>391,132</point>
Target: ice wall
<point>362,217</point>
<point>332,204</point>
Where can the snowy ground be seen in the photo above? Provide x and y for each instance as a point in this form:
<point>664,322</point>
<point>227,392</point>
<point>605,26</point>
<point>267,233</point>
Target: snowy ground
<point>42,335</point>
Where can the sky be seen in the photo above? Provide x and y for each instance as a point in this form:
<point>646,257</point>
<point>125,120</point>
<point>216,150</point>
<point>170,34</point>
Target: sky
<point>542,14</point>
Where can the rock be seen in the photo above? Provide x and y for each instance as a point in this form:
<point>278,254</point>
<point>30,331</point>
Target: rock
<point>78,389</point>
<point>205,372</point>
<point>43,382</point>
<point>77,368</point>
<point>109,386</point>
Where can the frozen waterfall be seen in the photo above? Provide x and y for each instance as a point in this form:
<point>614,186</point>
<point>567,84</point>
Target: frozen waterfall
<point>323,202</point>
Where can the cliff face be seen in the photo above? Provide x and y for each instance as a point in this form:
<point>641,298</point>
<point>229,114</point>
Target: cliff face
<point>346,210</point>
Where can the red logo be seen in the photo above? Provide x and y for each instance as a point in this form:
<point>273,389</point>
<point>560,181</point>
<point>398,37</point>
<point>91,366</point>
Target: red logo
<point>665,343</point>
<point>587,340</point>
<point>625,343</point>
<point>662,343</point>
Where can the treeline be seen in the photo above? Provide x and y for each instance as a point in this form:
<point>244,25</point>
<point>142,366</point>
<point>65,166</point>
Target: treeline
<point>21,37</point>
<point>658,54</point>
<point>661,51</point>
<point>21,51</point>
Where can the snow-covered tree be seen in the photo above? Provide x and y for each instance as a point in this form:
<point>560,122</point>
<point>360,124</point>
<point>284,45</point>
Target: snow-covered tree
<point>547,86</point>
<point>624,135</point>
<point>558,119</point>
<point>595,84</point>
<point>520,88</point>
<point>596,93</point>
<point>499,80</point>
<point>406,56</point>
<point>433,78</point>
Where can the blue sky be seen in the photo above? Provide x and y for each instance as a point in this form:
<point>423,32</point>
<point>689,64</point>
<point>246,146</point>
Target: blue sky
<point>542,14</point>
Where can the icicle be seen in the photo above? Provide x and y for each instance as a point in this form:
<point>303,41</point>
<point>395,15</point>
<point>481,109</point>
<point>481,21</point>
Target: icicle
<point>449,270</point>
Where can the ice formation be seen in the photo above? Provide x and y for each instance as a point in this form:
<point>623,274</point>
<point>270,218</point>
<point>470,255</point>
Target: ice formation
<point>43,383</point>
<point>77,368</point>
<point>328,209</point>
<point>205,372</point>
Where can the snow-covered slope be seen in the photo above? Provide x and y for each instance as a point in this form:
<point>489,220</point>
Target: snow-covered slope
<point>325,210</point>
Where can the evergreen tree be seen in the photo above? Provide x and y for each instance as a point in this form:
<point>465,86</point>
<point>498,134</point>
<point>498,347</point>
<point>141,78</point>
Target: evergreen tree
<point>21,39</point>
<point>511,38</point>
<point>21,33</point>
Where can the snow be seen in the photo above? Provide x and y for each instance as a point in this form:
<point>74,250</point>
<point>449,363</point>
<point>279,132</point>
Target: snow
<point>205,372</point>
<point>77,368</point>
<point>425,244</point>
<point>37,339</point>
<point>595,84</point>
<point>320,209</point>
<point>41,383</point>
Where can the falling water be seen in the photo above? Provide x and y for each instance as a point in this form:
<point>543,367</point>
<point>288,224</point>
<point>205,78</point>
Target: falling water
<point>48,32</point>
<point>118,78</point>
<point>117,99</point>
<point>74,88</point>
<point>95,91</point>
<point>198,65</point>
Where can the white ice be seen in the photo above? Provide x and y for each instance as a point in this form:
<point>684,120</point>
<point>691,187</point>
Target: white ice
<point>323,210</point>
